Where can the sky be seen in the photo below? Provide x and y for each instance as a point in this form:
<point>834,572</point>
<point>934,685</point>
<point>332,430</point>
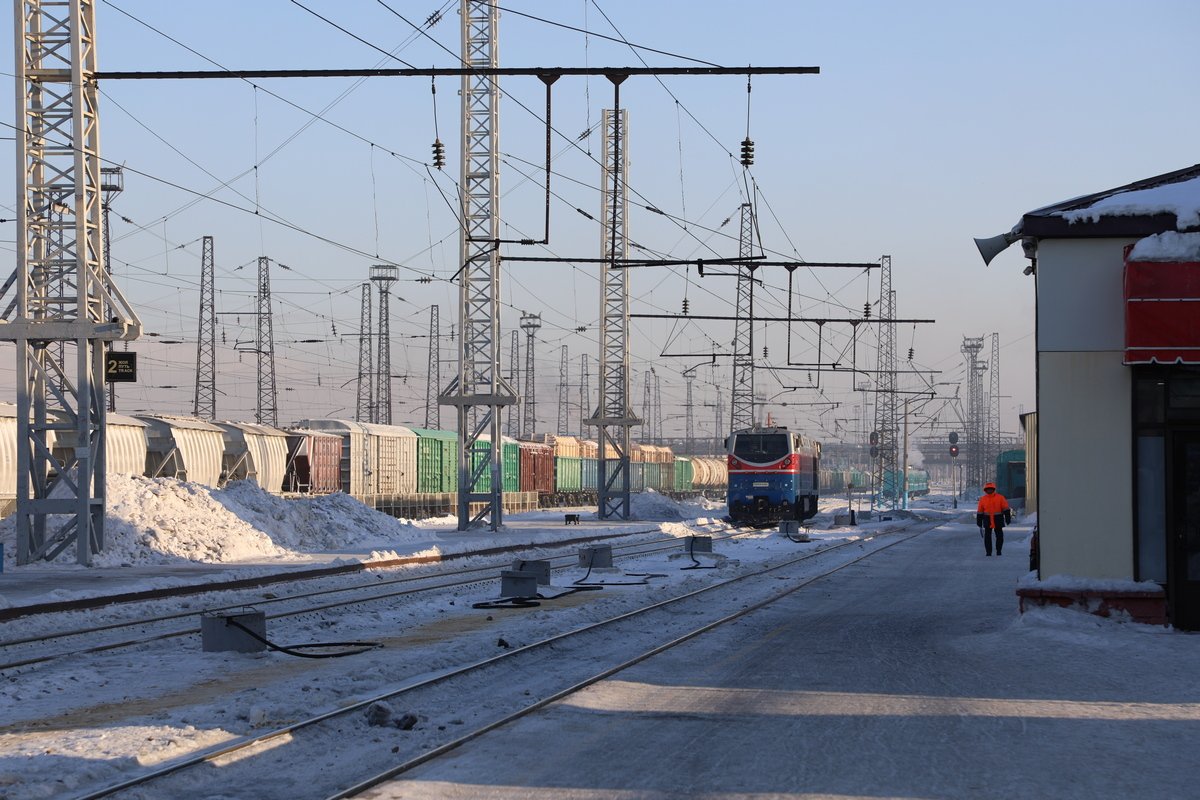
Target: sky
<point>929,124</point>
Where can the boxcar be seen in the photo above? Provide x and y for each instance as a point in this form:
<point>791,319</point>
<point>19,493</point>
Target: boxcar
<point>254,452</point>
<point>537,468</point>
<point>313,462</point>
<point>437,460</point>
<point>186,448</point>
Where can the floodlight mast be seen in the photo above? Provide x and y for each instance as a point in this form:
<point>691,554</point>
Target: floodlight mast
<point>60,301</point>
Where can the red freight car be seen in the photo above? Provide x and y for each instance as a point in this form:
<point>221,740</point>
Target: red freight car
<point>314,462</point>
<point>537,468</point>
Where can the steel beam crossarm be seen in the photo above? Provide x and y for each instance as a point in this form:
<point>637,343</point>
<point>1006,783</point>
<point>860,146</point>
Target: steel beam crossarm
<point>471,70</point>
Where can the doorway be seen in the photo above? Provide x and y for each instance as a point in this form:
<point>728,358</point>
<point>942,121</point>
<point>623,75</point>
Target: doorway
<point>1183,547</point>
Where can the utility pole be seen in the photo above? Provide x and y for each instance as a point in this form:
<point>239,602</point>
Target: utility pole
<point>479,392</point>
<point>564,411</point>
<point>530,323</point>
<point>614,417</point>
<point>383,276</point>
<point>60,294</point>
<point>742,403</point>
<point>112,183</point>
<point>204,401</point>
<point>365,412</point>
<point>433,411</point>
<point>267,410</point>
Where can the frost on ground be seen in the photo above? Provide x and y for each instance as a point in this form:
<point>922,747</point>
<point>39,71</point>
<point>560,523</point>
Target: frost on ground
<point>168,521</point>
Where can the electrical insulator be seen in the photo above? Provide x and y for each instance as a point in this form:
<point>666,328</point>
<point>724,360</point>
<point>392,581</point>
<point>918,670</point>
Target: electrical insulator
<point>810,377</point>
<point>866,310</point>
<point>685,306</point>
<point>747,152</point>
<point>764,351</point>
<point>910,354</point>
<point>581,329</point>
<point>439,154</point>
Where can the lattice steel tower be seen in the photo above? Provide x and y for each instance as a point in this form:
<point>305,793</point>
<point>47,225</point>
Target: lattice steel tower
<point>479,391</point>
<point>614,416</point>
<point>741,404</point>
<point>886,422</point>
<point>204,400</point>
<point>976,412</point>
<point>689,425</point>
<point>365,410</point>
<point>993,450</point>
<point>383,276</point>
<point>530,323</point>
<point>512,416</point>
<point>564,410</point>
<point>267,410</point>
<point>60,307</point>
<point>585,394</point>
<point>433,411</point>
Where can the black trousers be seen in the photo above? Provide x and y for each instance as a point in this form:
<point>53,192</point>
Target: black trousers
<point>987,540</point>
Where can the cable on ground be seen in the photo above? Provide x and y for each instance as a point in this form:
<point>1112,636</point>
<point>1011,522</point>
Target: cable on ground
<point>295,649</point>
<point>695,562</point>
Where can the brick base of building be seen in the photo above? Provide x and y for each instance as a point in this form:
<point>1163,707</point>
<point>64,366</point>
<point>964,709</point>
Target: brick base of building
<point>1148,607</point>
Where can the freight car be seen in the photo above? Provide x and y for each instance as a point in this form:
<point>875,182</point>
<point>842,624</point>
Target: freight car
<point>773,475</point>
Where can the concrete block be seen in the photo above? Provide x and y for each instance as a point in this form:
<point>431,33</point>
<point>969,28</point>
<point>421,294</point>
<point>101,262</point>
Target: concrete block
<point>539,568</point>
<point>515,583</point>
<point>699,544</point>
<point>597,557</point>
<point>218,635</point>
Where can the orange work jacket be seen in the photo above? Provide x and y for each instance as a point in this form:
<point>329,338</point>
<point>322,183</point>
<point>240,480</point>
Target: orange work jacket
<point>993,505</point>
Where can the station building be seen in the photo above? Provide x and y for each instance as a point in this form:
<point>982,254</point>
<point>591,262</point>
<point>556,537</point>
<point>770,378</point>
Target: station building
<point>1117,277</point>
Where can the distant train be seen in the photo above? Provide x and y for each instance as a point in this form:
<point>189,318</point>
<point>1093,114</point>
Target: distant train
<point>835,482</point>
<point>396,469</point>
<point>774,474</point>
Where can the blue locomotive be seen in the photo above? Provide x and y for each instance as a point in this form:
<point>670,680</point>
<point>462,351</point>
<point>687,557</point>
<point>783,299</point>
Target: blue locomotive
<point>773,475</point>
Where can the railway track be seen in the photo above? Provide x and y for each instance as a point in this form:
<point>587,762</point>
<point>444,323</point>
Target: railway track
<point>16,653</point>
<point>340,753</point>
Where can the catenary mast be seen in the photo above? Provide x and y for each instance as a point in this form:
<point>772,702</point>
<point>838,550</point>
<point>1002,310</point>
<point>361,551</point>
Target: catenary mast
<point>60,306</point>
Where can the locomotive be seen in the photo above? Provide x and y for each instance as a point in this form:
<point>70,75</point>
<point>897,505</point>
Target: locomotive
<point>773,475</point>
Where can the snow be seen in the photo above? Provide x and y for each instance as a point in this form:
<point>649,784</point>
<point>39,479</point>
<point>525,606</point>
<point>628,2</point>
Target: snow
<point>167,521</point>
<point>1167,246</point>
<point>184,701</point>
<point>1072,583</point>
<point>1181,199</point>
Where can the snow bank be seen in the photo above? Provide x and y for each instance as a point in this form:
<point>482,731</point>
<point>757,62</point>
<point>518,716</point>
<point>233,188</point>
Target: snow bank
<point>164,521</point>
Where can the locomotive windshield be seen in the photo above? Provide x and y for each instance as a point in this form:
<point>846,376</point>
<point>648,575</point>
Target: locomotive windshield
<point>760,447</point>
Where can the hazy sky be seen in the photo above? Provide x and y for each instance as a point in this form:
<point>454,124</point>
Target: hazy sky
<point>930,123</point>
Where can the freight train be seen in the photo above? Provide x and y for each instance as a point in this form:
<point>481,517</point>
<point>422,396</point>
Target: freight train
<point>401,470</point>
<point>836,481</point>
<point>774,474</point>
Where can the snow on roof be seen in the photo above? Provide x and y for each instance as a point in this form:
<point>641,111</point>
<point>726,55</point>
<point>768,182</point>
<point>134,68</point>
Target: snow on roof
<point>1167,246</point>
<point>1181,199</point>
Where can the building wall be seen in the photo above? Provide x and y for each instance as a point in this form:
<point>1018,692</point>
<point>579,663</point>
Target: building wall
<point>1081,294</point>
<point>1084,458</point>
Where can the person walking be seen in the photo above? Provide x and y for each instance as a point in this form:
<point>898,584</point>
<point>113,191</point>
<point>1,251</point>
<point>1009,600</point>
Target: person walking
<point>992,514</point>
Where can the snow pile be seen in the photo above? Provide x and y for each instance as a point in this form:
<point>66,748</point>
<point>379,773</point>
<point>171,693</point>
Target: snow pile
<point>318,523</point>
<point>1181,199</point>
<point>651,505</point>
<point>164,521</point>
<point>1167,246</point>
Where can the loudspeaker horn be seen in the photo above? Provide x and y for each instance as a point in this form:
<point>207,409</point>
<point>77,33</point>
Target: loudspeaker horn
<point>995,245</point>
